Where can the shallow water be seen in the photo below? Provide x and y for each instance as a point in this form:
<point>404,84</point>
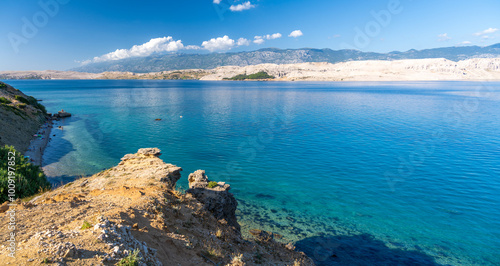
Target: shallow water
<point>355,173</point>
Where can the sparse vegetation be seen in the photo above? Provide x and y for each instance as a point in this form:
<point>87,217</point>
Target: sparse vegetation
<point>131,260</point>
<point>21,99</point>
<point>259,75</point>
<point>212,184</point>
<point>3,85</point>
<point>29,178</point>
<point>218,234</point>
<point>86,225</point>
<point>4,100</point>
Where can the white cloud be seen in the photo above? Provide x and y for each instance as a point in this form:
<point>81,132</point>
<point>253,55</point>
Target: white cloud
<point>443,37</point>
<point>258,40</point>
<point>295,33</point>
<point>486,37</point>
<point>486,31</point>
<point>165,44</point>
<point>221,43</point>
<point>262,39</point>
<point>465,43</point>
<point>217,1</point>
<point>192,47</point>
<point>273,36</point>
<point>241,7</point>
<point>243,41</point>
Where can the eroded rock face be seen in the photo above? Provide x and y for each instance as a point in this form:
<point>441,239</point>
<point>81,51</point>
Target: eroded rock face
<point>146,164</point>
<point>216,200</point>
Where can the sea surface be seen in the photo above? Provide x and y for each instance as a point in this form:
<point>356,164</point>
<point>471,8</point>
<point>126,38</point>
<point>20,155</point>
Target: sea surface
<point>354,173</point>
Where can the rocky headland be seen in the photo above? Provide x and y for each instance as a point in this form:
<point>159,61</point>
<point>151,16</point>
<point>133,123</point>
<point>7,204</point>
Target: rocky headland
<point>21,116</point>
<point>133,211</point>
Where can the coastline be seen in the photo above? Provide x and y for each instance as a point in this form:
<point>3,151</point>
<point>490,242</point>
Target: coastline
<point>39,142</point>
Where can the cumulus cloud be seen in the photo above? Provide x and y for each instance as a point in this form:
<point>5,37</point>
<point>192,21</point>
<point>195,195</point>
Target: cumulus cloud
<point>258,40</point>
<point>243,41</point>
<point>273,36</point>
<point>443,37</point>
<point>486,31</point>
<point>262,39</point>
<point>295,33</point>
<point>192,47</point>
<point>245,6</point>
<point>217,1</point>
<point>221,43</point>
<point>164,44</point>
<point>465,43</point>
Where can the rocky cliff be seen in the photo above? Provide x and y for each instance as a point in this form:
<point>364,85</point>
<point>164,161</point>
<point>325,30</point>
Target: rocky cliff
<point>20,117</point>
<point>132,211</point>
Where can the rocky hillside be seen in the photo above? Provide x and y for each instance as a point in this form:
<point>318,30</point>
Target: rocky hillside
<point>375,70</point>
<point>157,63</point>
<point>20,117</point>
<point>133,212</point>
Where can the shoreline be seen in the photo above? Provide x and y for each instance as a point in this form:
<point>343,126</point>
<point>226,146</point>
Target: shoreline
<point>38,144</point>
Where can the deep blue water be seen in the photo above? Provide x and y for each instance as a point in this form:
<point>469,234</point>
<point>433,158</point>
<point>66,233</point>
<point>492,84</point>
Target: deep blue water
<point>366,173</point>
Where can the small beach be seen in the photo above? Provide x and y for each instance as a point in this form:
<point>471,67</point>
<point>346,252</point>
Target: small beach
<point>39,143</point>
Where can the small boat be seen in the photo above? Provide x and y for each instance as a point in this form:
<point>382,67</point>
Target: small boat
<point>158,119</point>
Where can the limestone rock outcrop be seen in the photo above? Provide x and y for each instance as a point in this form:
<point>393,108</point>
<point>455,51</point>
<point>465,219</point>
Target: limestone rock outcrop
<point>217,199</point>
<point>139,168</point>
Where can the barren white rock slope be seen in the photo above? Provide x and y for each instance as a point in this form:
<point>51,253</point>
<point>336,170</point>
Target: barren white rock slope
<point>373,70</point>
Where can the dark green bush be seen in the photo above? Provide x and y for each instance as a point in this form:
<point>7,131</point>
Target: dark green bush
<point>29,178</point>
<point>41,107</point>
<point>3,85</point>
<point>4,100</point>
<point>259,75</point>
<point>21,99</point>
<point>212,184</point>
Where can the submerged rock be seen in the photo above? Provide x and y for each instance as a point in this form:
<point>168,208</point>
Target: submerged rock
<point>216,200</point>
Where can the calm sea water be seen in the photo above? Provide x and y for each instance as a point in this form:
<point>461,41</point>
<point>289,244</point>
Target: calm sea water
<point>357,173</point>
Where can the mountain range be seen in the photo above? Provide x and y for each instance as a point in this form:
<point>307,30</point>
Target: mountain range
<point>179,61</point>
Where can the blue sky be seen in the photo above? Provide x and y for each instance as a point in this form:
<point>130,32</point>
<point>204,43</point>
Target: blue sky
<point>60,34</point>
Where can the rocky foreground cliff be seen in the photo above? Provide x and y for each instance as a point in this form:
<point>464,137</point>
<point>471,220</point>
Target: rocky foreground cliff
<point>133,212</point>
<point>20,117</point>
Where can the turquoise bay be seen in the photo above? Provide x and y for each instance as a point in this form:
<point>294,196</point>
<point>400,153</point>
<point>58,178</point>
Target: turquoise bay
<point>399,170</point>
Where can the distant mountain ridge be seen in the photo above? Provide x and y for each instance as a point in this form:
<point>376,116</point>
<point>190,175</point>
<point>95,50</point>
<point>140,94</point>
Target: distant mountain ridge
<point>157,63</point>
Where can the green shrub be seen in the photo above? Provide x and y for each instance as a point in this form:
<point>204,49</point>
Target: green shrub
<point>32,100</point>
<point>4,100</point>
<point>131,260</point>
<point>86,225</point>
<point>21,99</point>
<point>29,178</point>
<point>3,85</point>
<point>259,75</point>
<point>41,107</point>
<point>212,184</point>
<point>21,105</point>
